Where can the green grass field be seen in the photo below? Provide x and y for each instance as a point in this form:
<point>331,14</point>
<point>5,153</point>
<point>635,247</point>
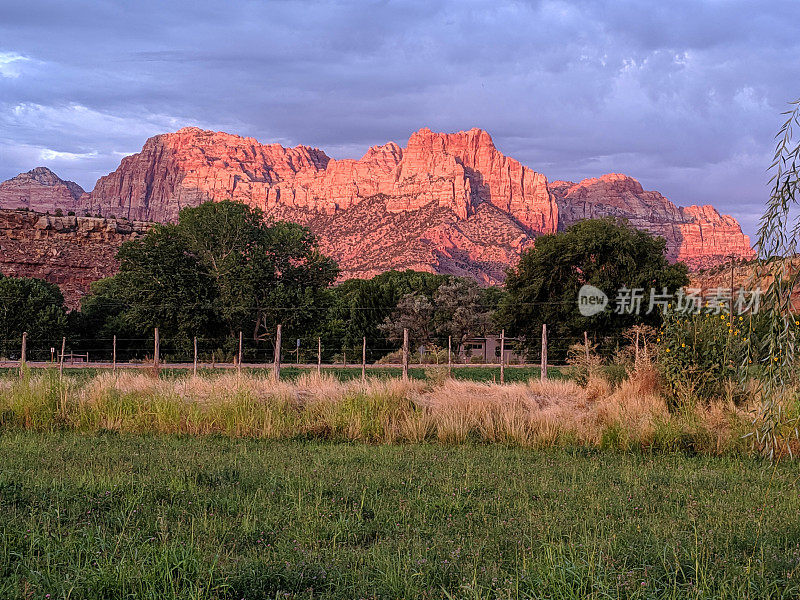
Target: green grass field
<point>116,516</point>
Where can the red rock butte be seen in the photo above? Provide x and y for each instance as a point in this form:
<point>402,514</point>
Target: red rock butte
<point>447,202</point>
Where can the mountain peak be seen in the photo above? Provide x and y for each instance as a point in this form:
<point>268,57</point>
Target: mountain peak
<point>450,201</point>
<point>41,190</point>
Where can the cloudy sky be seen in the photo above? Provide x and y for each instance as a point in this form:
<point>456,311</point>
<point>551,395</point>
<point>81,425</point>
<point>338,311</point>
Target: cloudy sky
<point>684,95</point>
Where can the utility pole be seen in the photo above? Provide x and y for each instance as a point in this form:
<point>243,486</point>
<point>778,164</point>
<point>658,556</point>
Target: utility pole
<point>239,362</point>
<point>156,349</point>
<point>23,356</point>
<point>61,360</point>
<point>364,360</point>
<point>405,354</point>
<point>503,356</point>
<point>449,355</point>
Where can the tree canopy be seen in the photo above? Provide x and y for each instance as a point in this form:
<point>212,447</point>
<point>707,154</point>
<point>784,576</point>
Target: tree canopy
<point>33,306</point>
<point>221,269</point>
<point>605,253</point>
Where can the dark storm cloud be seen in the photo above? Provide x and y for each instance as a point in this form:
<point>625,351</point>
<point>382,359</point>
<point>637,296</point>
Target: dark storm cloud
<point>684,95</point>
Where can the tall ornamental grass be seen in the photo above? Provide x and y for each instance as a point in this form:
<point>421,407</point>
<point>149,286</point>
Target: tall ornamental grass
<point>631,415</point>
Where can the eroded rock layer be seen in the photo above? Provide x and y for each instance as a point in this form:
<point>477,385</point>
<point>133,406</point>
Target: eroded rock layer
<point>71,252</point>
<point>447,202</point>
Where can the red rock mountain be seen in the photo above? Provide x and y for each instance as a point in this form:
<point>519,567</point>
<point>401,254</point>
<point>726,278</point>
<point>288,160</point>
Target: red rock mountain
<point>697,235</point>
<point>450,203</point>
<point>40,190</point>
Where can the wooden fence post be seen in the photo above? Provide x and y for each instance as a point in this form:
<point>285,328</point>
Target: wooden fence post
<point>61,360</point>
<point>319,356</point>
<point>24,355</point>
<point>156,349</point>
<point>449,355</point>
<point>405,354</point>
<point>276,365</point>
<point>194,370</point>
<point>239,362</point>
<point>114,356</point>
<point>364,360</point>
<point>544,353</point>
<point>503,356</point>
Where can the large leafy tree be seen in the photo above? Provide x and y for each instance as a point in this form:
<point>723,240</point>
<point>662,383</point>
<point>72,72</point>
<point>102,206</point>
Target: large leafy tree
<point>359,307</point>
<point>605,253</point>
<point>33,306</point>
<point>221,269</point>
<point>459,308</point>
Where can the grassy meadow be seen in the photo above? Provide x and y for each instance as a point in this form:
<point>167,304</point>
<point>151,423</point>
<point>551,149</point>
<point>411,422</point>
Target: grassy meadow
<point>104,515</point>
<point>133,485</point>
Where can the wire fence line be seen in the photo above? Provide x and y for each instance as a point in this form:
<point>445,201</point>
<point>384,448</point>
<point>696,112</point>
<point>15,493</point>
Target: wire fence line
<point>305,351</point>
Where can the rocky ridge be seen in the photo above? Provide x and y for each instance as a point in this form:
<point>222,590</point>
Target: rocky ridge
<point>41,190</point>
<point>71,252</point>
<point>447,202</point>
<point>697,235</point>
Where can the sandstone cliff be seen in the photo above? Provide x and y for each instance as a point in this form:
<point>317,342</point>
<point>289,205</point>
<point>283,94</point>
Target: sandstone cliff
<point>456,171</point>
<point>71,252</point>
<point>447,202</point>
<point>41,190</point>
<point>697,235</point>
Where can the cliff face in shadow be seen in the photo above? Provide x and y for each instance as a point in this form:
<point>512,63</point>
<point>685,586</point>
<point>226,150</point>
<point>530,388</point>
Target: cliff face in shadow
<point>71,252</point>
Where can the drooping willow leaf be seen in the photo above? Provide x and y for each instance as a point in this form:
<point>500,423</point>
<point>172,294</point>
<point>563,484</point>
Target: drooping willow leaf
<point>777,249</point>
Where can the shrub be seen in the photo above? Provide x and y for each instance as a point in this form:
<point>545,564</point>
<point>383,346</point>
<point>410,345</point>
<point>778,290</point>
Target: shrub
<point>701,354</point>
<point>583,366</point>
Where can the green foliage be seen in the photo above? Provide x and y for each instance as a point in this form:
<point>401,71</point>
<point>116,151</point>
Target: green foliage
<point>31,305</point>
<point>358,308</point>
<point>459,308</point>
<point>222,269</point>
<point>702,353</point>
<point>778,234</point>
<point>543,287</point>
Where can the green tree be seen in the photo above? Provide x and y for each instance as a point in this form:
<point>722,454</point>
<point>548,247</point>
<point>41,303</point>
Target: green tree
<point>358,308</point>
<point>34,306</point>
<point>605,253</point>
<point>415,313</point>
<point>162,284</point>
<point>463,309</point>
<point>220,270</point>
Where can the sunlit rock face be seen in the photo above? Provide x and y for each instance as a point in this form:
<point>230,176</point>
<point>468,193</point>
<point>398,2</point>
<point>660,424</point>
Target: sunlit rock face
<point>447,202</point>
<point>70,251</point>
<point>40,190</point>
<point>696,235</point>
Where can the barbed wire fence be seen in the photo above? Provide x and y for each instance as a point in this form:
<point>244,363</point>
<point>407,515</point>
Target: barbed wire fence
<point>204,353</point>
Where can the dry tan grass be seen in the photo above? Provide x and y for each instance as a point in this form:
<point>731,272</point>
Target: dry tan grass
<point>536,413</point>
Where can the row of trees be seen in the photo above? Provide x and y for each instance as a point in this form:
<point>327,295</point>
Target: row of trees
<point>224,268</point>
